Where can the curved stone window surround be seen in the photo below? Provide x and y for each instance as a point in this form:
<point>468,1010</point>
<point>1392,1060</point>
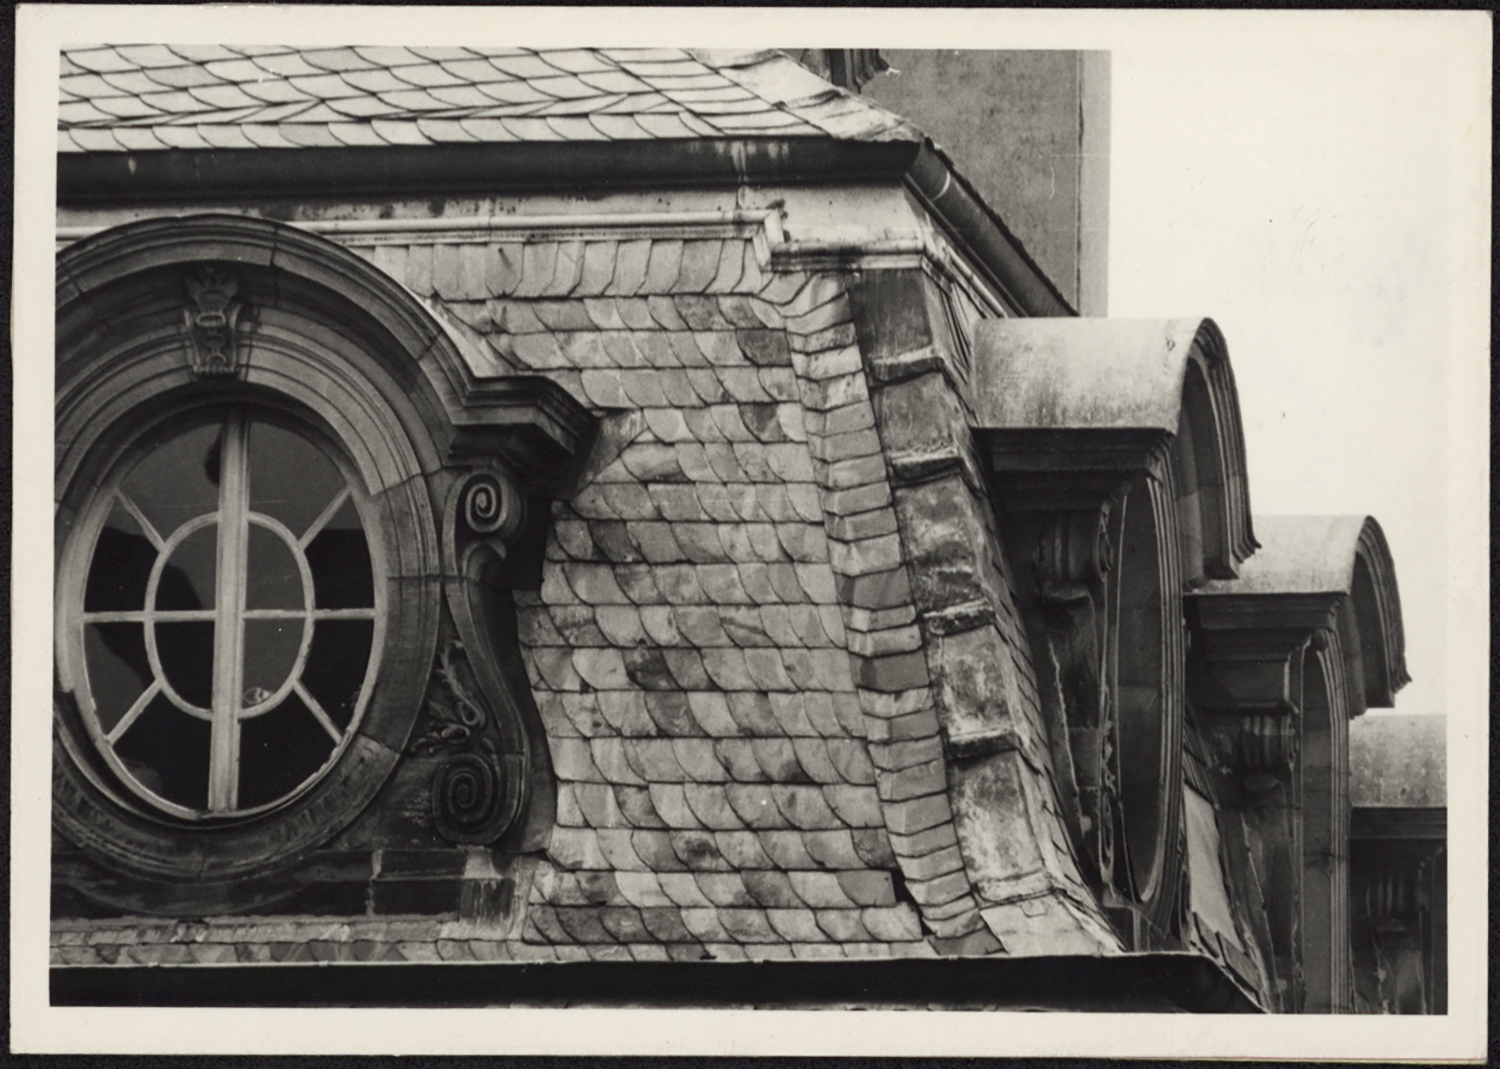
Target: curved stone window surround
<point>1088,426</point>
<point>1146,678</point>
<point>160,319</point>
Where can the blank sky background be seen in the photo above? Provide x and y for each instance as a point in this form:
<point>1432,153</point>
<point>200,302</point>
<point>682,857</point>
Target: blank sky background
<point>1310,198</point>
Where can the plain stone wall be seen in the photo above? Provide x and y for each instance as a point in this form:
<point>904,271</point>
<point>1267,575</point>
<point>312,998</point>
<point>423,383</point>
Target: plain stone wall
<point>1030,131</point>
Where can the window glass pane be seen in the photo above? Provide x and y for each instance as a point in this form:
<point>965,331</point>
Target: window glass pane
<point>272,579</point>
<point>270,655</point>
<point>118,669</point>
<point>178,479</point>
<point>279,751</point>
<point>336,666</point>
<point>290,478</point>
<point>187,659</point>
<point>122,563</point>
<point>187,580</point>
<point>340,562</point>
<point>293,488</point>
<point>167,752</point>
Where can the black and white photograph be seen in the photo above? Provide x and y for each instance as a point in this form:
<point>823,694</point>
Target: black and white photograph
<point>598,510</point>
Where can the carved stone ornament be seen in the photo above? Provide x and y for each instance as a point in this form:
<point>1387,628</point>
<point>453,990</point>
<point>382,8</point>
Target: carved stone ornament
<point>473,716</point>
<point>209,324</point>
<point>476,790</point>
<point>1267,745</point>
<point>492,508</point>
<point>1071,562</point>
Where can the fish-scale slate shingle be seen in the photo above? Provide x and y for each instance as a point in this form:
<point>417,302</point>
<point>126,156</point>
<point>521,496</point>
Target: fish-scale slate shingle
<point>687,645</point>
<point>122,98</point>
<point>727,558</point>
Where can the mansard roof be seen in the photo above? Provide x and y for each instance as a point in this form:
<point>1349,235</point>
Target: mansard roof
<point>141,98</point>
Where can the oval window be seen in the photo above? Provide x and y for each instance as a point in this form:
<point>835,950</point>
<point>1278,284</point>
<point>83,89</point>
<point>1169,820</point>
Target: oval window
<point>1140,689</point>
<point>230,616</point>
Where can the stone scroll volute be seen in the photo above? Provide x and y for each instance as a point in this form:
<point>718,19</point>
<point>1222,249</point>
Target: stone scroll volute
<point>481,790</point>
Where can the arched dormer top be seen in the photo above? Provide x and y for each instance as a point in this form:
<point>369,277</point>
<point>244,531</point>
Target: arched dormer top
<point>1088,388</point>
<point>1335,556</point>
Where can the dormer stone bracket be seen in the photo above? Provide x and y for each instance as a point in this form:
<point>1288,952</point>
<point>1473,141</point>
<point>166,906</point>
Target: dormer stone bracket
<point>1062,496</point>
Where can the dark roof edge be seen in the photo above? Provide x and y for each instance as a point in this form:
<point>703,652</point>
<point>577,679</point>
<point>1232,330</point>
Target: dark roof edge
<point>1082,982</point>
<point>142,178</point>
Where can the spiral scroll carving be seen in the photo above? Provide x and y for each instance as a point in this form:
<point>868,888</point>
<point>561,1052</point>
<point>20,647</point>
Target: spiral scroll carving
<point>473,792</point>
<point>468,798</point>
<point>491,506</point>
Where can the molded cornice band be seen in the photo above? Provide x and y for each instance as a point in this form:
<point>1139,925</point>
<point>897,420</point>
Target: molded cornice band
<point>91,179</point>
<point>1320,559</point>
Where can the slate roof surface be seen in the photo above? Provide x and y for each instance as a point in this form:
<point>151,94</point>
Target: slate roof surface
<point>725,648</point>
<point>138,98</point>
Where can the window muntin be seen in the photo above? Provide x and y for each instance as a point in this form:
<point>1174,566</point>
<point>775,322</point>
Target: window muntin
<point>230,617</point>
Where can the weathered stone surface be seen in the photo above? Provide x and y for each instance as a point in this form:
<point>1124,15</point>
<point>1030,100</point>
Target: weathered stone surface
<point>914,781</point>
<point>901,728</point>
<point>994,830</point>
<point>974,682</point>
<point>878,590</point>
<point>978,942</point>
<point>892,312</point>
<point>918,814</point>
<point>946,541</point>
<point>883,643</point>
<point>863,525</point>
<point>765,348</point>
<point>892,673</point>
<point>922,421</point>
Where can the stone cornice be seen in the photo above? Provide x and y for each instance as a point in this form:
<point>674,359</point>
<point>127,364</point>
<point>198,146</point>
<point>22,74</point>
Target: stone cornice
<point>1083,389</point>
<point>189,176</point>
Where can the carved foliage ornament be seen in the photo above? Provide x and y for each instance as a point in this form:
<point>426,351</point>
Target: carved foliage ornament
<point>210,322</point>
<point>476,791</point>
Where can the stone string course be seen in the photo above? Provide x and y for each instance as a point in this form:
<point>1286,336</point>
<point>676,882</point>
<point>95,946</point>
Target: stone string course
<point>759,623</point>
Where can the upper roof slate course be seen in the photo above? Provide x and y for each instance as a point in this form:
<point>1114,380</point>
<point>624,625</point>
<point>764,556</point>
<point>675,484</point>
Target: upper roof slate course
<point>118,98</point>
